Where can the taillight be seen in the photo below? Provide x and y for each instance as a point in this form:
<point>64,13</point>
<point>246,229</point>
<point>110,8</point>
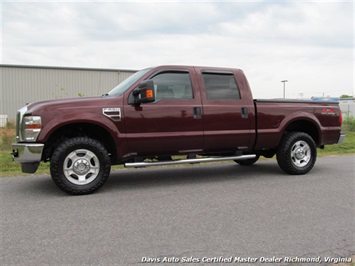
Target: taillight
<point>340,118</point>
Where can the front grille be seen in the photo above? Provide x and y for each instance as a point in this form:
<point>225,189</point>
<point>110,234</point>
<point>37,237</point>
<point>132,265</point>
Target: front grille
<point>19,118</point>
<point>18,121</point>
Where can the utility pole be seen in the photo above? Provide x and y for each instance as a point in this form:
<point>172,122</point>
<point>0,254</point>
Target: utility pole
<point>284,82</point>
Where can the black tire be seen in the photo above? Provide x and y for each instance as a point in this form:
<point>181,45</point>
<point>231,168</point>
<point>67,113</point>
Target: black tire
<point>248,162</point>
<point>80,166</point>
<point>297,153</point>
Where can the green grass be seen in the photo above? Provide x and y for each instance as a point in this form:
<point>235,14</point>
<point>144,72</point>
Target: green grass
<point>10,168</point>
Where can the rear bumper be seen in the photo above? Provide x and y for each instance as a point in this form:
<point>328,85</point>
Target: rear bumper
<point>341,138</point>
<point>28,154</point>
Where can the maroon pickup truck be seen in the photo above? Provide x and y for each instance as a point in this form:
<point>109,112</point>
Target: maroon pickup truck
<point>204,113</point>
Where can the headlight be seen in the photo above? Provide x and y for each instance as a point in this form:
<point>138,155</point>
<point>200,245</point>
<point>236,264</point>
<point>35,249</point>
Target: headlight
<point>31,128</point>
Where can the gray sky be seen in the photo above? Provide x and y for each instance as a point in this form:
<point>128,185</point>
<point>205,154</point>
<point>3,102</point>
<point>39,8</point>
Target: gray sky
<point>308,43</point>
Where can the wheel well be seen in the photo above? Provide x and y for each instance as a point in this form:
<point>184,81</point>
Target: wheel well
<point>306,127</point>
<point>80,130</point>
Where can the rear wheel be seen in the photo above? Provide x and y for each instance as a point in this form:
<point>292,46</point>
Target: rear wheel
<point>80,165</point>
<point>297,153</point>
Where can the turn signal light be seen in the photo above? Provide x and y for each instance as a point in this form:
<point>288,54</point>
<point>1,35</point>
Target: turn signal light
<point>33,126</point>
<point>149,93</point>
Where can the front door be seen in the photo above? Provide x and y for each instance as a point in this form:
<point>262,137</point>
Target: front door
<point>173,123</point>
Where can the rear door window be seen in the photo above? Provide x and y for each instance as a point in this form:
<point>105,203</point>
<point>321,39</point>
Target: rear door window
<point>221,86</point>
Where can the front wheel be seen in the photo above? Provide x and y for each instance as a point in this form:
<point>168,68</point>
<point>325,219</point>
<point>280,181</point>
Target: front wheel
<point>297,153</point>
<point>80,165</point>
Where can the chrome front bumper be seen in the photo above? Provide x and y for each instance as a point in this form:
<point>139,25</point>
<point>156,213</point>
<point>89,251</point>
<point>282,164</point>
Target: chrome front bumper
<point>341,138</point>
<point>28,154</point>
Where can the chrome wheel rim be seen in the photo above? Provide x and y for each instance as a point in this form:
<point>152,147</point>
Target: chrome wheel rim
<point>81,167</point>
<point>301,153</point>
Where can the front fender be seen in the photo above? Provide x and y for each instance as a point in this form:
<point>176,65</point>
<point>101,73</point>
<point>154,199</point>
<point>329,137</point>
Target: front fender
<point>51,126</point>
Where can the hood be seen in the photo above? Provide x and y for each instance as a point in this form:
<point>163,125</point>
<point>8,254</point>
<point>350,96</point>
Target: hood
<point>37,108</point>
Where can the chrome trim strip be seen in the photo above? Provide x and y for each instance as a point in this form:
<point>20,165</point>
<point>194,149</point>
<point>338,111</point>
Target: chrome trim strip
<point>113,112</point>
<point>199,160</point>
<point>19,126</point>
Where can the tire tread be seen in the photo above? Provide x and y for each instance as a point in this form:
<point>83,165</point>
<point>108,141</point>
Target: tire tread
<point>56,165</point>
<point>283,154</point>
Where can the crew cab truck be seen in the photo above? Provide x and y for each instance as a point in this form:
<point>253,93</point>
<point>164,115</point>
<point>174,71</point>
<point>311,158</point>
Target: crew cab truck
<point>204,113</point>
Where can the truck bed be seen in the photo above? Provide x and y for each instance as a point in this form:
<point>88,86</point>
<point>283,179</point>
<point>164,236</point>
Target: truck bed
<point>316,117</point>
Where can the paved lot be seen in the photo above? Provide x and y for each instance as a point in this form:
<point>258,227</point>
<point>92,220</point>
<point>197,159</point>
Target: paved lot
<point>207,214</point>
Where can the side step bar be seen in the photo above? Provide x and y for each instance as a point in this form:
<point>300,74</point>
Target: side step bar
<point>186,161</point>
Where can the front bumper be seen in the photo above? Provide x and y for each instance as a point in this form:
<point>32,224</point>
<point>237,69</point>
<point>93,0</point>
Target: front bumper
<point>341,138</point>
<point>28,154</point>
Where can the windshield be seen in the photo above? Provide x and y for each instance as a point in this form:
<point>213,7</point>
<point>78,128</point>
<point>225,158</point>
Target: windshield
<point>124,85</point>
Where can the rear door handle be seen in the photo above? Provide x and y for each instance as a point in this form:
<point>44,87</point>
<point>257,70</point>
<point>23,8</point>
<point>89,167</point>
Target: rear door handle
<point>197,113</point>
<point>244,112</point>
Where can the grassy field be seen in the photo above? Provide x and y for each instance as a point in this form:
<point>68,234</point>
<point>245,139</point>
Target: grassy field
<point>10,168</point>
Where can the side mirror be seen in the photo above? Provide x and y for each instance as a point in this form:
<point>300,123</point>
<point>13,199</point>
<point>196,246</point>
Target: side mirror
<point>144,93</point>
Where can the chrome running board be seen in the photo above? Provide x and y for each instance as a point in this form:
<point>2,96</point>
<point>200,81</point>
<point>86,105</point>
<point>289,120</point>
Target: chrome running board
<point>191,161</point>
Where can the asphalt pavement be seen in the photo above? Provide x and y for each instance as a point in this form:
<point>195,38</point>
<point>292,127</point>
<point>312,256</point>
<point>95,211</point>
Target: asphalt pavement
<point>211,214</point>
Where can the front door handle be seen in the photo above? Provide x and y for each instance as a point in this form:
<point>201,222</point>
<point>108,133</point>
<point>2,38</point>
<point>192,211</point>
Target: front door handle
<point>244,112</point>
<point>197,113</point>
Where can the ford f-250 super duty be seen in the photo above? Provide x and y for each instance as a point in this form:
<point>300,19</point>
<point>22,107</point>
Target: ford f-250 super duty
<point>204,113</point>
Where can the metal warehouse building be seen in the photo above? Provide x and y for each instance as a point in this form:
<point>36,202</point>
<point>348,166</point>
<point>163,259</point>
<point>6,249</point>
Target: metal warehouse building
<point>25,84</point>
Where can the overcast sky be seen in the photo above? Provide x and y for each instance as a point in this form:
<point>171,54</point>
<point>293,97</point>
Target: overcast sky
<point>308,43</point>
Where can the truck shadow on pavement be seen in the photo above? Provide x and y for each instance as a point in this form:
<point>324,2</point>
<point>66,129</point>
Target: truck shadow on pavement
<point>128,179</point>
<point>164,176</point>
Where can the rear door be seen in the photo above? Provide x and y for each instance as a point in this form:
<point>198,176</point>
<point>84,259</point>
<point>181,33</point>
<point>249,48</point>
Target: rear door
<point>171,124</point>
<point>228,115</point>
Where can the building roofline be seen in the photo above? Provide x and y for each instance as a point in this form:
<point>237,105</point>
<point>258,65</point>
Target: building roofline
<point>67,68</point>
